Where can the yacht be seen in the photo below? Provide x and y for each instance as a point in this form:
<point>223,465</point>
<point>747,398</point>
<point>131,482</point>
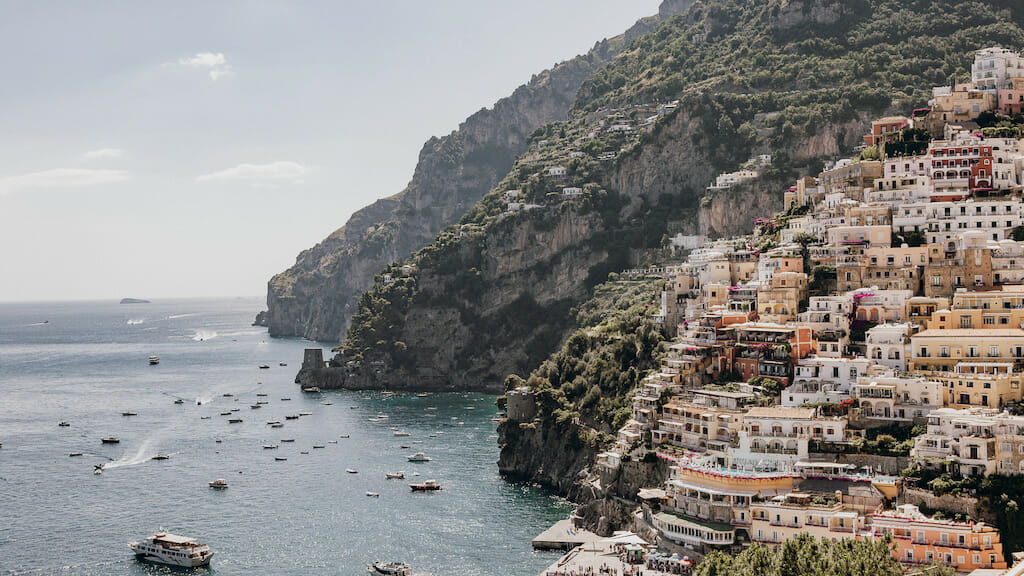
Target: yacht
<point>218,484</point>
<point>389,568</point>
<point>255,406</point>
<point>154,359</point>
<point>164,548</point>
<point>425,486</point>
<point>419,457</point>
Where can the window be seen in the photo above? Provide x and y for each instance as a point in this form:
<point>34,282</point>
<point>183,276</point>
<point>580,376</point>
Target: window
<point>993,351</point>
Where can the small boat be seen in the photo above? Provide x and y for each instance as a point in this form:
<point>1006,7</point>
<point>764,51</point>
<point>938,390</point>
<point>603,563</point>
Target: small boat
<point>373,494</point>
<point>129,414</point>
<point>278,425</point>
<point>164,548</point>
<point>264,366</point>
<point>269,446</point>
<point>419,457</point>
<point>353,407</point>
<point>305,413</point>
<point>217,440</point>
<point>326,403</point>
<point>255,406</point>
<point>394,475</point>
<point>400,433</point>
<point>332,441</point>
<point>280,458</point>
<point>311,389</point>
<point>161,457</point>
<point>73,454</point>
<point>262,402</point>
<point>287,439</point>
<point>228,413</point>
<point>318,445</point>
<point>260,394</point>
<point>234,420</point>
<point>236,409</point>
<point>422,395</point>
<point>179,401</point>
<point>389,568</point>
<point>304,452</point>
<point>218,484</point>
<point>97,469</point>
<point>272,422</point>
<point>343,436</point>
<point>282,363</point>
<point>110,440</point>
<point>154,359</point>
<point>63,424</point>
<point>285,399</point>
<point>205,417</point>
<point>227,394</point>
<point>425,486</point>
<point>405,446</point>
<point>351,470</point>
<point>295,417</point>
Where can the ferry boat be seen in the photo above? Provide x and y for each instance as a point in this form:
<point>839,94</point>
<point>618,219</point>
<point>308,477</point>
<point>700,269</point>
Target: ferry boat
<point>218,484</point>
<point>389,568</point>
<point>165,548</point>
<point>425,486</point>
<point>154,359</point>
<point>419,457</point>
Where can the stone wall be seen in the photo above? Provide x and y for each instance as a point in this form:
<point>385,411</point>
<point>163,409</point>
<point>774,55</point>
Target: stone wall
<point>947,502</point>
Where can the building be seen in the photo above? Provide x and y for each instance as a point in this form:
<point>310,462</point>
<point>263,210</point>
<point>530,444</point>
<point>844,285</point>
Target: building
<point>822,516</point>
<point>940,350</point>
<point>780,437</point>
<point>885,128</point>
<point>921,540</point>
<point>850,178</point>
<point>889,345</point>
<point>995,68</point>
<point>891,397</point>
<point>964,440</point>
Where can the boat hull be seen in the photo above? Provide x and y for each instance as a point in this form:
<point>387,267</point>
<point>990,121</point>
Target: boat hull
<point>181,562</point>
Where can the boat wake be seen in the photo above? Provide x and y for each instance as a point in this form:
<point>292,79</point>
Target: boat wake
<point>37,324</point>
<point>176,316</point>
<point>135,321</point>
<point>201,335</point>
<point>145,453</point>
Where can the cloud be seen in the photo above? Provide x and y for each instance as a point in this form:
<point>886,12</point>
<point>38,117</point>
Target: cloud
<point>216,65</point>
<point>103,153</point>
<point>61,178</point>
<point>259,174</point>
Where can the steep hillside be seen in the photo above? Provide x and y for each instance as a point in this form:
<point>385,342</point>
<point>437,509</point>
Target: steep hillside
<point>317,296</point>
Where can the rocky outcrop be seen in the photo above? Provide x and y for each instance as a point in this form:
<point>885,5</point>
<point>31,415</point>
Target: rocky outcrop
<point>316,297</point>
<point>792,13</point>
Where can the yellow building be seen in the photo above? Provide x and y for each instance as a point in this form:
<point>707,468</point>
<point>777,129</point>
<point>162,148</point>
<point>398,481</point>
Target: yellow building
<point>940,350</point>
<point>784,517</point>
<point>981,384</point>
<point>778,301</point>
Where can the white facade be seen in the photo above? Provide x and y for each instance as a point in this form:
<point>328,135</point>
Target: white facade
<point>994,67</point>
<point>889,396</point>
<point>889,345</point>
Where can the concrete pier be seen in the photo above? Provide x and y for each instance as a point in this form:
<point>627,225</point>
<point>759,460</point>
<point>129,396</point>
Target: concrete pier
<point>562,536</point>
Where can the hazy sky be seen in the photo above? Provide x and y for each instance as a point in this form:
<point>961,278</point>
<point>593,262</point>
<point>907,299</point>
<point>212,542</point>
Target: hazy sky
<point>163,149</point>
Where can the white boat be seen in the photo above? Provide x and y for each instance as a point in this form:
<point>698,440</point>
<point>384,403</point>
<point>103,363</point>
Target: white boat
<point>373,494</point>
<point>389,568</point>
<point>419,457</point>
<point>401,433</point>
<point>179,401</point>
<point>394,475</point>
<point>269,446</point>
<point>154,359</point>
<point>311,390</point>
<point>164,548</point>
<point>218,484</point>
<point>277,425</point>
<point>305,413</point>
<point>425,486</point>
<point>351,470</point>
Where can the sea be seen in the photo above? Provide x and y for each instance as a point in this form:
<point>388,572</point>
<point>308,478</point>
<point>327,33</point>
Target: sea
<point>87,362</point>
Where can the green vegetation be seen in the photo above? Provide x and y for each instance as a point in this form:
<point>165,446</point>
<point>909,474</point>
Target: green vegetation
<point>894,440</point>
<point>590,379</point>
<point>805,556</point>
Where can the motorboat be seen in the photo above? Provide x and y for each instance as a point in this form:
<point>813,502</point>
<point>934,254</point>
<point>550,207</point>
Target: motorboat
<point>234,420</point>
<point>282,363</point>
<point>351,470</point>
<point>262,402</point>
<point>305,413</point>
<point>63,424</point>
<point>154,359</point>
<point>272,422</point>
<point>161,457</point>
<point>255,406</point>
<point>227,394</point>
<point>373,494</point>
<point>179,401</point>
<point>419,457</point>
<point>400,433</point>
<point>422,395</point>
<point>311,389</point>
<point>228,413</point>
<point>97,468</point>
<point>165,548</point>
<point>217,440</point>
<point>261,394</point>
<point>389,568</point>
<point>332,441</point>
<point>236,409</point>
<point>129,414</point>
<point>73,454</point>
<point>264,366</point>
<point>425,486</point>
<point>269,446</point>
<point>278,425</point>
<point>110,440</point>
<point>327,403</point>
<point>304,452</point>
<point>218,484</point>
<point>280,458</point>
<point>285,399</point>
<point>205,417</point>
<point>395,475</point>
<point>343,436</point>
<point>292,417</point>
<point>318,445</point>
<point>287,439</point>
<point>405,446</point>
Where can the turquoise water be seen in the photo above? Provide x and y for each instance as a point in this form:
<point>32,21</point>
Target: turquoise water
<point>305,515</point>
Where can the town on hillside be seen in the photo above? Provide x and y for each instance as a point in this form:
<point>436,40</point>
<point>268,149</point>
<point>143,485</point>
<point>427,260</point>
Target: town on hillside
<point>852,369</point>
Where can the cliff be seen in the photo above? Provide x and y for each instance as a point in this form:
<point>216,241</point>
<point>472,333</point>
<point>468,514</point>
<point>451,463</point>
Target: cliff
<point>317,296</point>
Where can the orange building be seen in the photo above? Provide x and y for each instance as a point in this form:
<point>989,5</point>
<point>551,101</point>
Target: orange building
<point>919,539</point>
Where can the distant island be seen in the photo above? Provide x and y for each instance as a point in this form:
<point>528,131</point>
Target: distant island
<point>134,301</point>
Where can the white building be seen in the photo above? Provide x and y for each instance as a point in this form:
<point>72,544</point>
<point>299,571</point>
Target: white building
<point>889,345</point>
<point>780,437</point>
<point>889,396</point>
<point>965,438</point>
<point>557,171</point>
<point>822,379</point>
<point>994,67</point>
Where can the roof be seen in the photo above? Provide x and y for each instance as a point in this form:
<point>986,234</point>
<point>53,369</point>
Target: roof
<point>173,539</point>
<point>827,486</point>
<point>970,333</point>
<point>674,520</point>
<point>724,394</point>
<point>778,412</point>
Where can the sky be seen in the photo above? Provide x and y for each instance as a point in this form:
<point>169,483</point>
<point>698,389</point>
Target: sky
<point>193,149</point>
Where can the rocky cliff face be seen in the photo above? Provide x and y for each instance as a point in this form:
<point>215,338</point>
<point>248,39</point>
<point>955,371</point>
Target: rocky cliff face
<point>317,296</point>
